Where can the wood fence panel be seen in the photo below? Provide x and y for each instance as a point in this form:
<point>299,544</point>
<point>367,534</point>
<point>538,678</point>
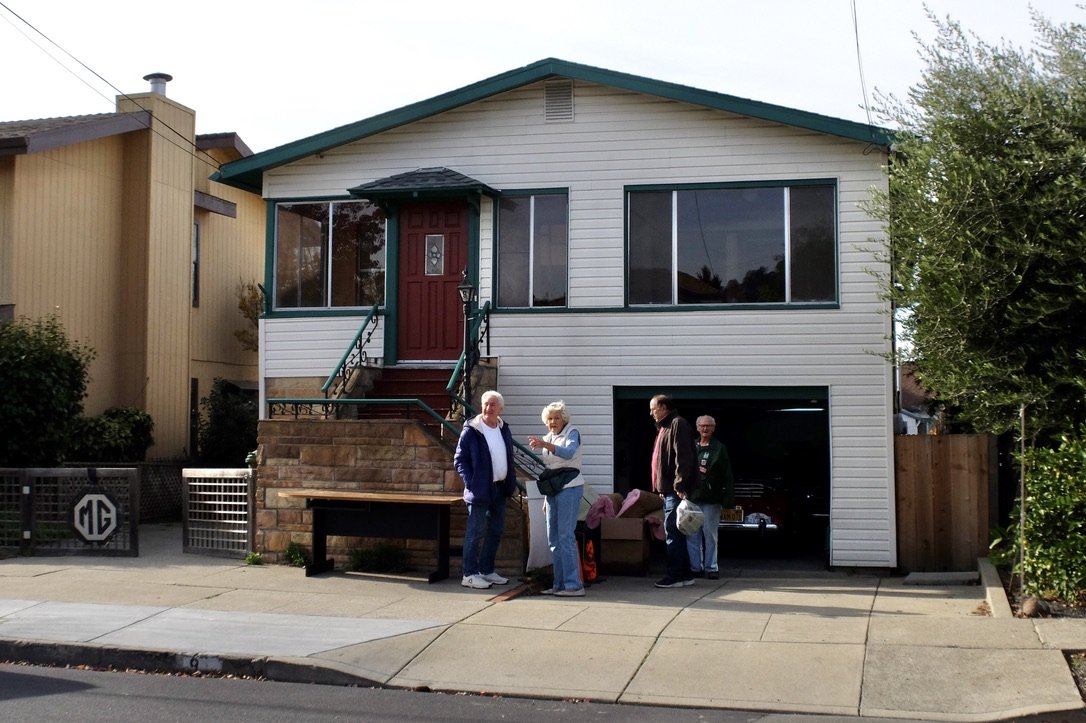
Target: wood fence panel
<point>944,488</point>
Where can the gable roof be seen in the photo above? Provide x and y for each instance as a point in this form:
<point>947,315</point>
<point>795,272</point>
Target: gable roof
<point>248,173</point>
<point>35,136</point>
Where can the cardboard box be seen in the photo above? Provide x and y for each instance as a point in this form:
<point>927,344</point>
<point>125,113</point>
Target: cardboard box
<point>624,546</point>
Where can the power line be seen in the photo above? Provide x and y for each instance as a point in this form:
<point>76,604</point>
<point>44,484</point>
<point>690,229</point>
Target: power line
<point>860,62</point>
<point>41,48</point>
<point>189,146</point>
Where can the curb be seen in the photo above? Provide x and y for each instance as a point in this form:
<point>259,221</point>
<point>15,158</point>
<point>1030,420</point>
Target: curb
<point>282,670</point>
<point>993,587</point>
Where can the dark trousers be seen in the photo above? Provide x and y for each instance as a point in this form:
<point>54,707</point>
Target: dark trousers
<point>678,558</point>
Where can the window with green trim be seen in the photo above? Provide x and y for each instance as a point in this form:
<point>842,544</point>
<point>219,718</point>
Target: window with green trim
<point>329,254</point>
<point>533,250</point>
<point>754,244</point>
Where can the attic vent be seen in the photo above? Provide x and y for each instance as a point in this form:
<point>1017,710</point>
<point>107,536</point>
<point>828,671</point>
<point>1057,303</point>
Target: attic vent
<point>558,100</point>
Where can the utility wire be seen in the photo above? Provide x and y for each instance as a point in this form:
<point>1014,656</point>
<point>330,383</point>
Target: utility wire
<point>44,50</point>
<point>189,147</point>
<point>860,61</point>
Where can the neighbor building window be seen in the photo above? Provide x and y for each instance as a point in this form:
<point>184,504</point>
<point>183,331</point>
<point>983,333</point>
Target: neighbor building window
<point>196,265</point>
<point>329,254</point>
<point>533,250</point>
<point>754,244</point>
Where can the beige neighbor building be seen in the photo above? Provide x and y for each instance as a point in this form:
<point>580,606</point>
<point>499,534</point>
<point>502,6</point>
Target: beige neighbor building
<point>109,222</point>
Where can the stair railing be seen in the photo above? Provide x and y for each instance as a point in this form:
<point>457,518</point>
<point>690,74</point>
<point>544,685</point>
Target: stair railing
<point>459,386</point>
<point>355,356</point>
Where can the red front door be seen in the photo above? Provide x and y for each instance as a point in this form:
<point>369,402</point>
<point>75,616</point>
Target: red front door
<point>433,252</point>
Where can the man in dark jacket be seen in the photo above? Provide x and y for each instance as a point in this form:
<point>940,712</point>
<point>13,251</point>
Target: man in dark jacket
<point>484,460</point>
<point>674,477</point>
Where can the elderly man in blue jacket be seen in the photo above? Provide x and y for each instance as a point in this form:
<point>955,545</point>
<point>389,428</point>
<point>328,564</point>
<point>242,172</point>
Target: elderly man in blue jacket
<point>484,460</point>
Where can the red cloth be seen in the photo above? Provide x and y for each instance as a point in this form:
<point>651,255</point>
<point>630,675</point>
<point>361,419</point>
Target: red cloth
<point>656,460</point>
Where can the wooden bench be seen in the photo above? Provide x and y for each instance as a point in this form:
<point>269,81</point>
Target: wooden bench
<point>376,514</point>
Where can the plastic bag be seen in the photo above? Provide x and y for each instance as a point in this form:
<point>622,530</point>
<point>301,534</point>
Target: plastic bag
<point>688,517</point>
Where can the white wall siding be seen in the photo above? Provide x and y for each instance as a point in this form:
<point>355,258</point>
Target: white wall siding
<point>580,355</point>
<point>304,347</point>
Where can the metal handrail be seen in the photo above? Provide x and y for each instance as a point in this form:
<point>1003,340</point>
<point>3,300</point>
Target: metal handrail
<point>479,330</point>
<point>354,356</point>
<point>298,406</point>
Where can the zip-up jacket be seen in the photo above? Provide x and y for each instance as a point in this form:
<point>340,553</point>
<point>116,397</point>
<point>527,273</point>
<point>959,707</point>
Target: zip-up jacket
<point>473,464</point>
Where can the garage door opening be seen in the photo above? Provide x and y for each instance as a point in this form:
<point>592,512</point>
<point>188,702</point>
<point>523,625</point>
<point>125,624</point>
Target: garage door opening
<point>778,441</point>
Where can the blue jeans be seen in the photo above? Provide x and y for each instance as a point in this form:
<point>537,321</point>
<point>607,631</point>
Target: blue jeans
<point>562,510</point>
<point>678,558</point>
<point>701,546</point>
<point>486,522</point>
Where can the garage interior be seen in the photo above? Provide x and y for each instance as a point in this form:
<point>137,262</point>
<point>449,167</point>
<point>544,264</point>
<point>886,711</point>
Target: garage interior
<point>778,441</point>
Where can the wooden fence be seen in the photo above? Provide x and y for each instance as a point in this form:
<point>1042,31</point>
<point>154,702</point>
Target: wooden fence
<point>946,500</point>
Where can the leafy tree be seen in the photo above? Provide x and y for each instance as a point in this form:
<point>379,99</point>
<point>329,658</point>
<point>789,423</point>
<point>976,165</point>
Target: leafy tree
<point>251,305</point>
<point>986,219</point>
<point>44,376</point>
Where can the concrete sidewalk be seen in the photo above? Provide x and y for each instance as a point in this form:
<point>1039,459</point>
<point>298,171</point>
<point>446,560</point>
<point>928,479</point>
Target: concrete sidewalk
<point>805,642</point>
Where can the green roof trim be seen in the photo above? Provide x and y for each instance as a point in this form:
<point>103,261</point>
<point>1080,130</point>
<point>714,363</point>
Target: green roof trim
<point>247,173</point>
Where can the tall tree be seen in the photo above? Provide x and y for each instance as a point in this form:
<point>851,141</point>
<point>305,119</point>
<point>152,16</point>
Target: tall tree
<point>986,223</point>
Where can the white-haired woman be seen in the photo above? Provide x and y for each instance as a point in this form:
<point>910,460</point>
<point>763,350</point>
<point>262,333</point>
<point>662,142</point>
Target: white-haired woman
<point>560,448</point>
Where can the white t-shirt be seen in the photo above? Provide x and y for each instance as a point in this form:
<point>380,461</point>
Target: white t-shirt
<point>496,443</point>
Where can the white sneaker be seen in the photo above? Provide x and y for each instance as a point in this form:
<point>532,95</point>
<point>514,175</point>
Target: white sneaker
<point>495,578</point>
<point>478,582</point>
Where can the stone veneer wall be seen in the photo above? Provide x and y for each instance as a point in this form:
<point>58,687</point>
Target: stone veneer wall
<point>374,455</point>
<point>294,387</point>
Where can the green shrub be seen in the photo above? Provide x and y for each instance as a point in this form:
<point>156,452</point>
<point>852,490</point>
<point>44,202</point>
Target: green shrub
<point>1054,559</point>
<point>120,434</point>
<point>296,555</point>
<point>381,557</point>
<point>44,378</point>
<point>254,558</point>
<point>227,430</point>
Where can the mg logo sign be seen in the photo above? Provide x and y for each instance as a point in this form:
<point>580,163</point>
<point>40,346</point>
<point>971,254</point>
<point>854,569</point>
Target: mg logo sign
<point>95,516</point>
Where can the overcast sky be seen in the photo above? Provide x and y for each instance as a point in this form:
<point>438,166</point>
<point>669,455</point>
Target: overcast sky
<point>276,71</point>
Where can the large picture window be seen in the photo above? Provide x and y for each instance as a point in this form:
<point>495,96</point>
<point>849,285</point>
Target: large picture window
<point>732,245</point>
<point>533,250</point>
<point>329,254</point>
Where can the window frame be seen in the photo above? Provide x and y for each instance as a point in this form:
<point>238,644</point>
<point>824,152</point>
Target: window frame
<point>327,250</point>
<point>532,194</point>
<point>785,184</point>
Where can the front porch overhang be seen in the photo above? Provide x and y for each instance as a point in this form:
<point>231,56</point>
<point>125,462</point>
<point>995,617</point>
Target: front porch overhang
<point>423,183</point>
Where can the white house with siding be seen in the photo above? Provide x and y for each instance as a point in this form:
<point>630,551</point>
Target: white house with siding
<point>631,237</point>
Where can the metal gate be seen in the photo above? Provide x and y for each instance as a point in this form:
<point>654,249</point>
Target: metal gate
<point>218,511</point>
<point>70,511</point>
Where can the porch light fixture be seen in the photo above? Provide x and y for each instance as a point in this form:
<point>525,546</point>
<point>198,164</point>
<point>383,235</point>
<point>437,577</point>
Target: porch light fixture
<point>468,294</point>
<point>466,289</point>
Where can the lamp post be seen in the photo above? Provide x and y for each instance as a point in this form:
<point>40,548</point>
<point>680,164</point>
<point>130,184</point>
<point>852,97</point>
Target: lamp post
<point>467,293</point>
